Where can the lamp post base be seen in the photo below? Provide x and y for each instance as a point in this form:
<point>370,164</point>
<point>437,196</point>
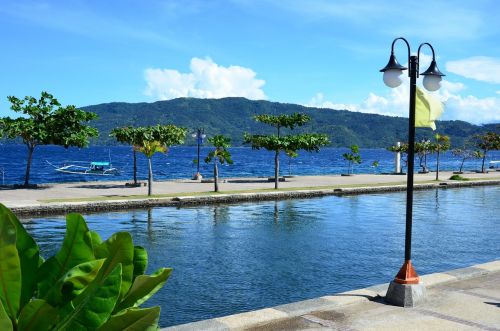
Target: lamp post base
<point>197,176</point>
<point>405,295</point>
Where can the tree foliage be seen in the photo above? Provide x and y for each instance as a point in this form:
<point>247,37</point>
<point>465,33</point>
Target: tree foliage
<point>44,121</point>
<point>283,121</point>
<point>128,135</point>
<point>441,144</point>
<point>464,154</point>
<point>490,141</point>
<point>151,140</point>
<point>352,157</point>
<point>220,155</point>
<point>423,148</point>
<point>89,284</point>
<point>290,144</point>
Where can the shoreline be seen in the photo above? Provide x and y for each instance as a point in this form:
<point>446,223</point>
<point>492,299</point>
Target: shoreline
<point>94,197</point>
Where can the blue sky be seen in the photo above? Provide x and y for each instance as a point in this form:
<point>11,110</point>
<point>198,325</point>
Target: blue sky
<point>311,52</point>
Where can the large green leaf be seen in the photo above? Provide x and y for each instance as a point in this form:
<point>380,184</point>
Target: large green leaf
<point>76,249</point>
<point>96,240</point>
<point>29,255</point>
<point>73,282</point>
<point>120,248</point>
<point>92,307</point>
<point>143,288</point>
<point>37,315</point>
<point>140,261</point>
<point>5,322</point>
<point>10,269</point>
<point>134,319</point>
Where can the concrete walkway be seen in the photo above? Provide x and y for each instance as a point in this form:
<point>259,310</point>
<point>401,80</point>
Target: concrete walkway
<point>117,190</point>
<point>462,299</point>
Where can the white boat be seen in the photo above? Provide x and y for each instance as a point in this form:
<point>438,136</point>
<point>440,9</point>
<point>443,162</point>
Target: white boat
<point>91,168</point>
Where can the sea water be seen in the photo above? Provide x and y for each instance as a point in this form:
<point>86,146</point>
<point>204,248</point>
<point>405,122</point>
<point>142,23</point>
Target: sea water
<point>178,163</point>
<point>235,258</point>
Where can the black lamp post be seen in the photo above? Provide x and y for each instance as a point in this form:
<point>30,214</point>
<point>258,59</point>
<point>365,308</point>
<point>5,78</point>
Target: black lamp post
<point>199,135</point>
<point>392,78</point>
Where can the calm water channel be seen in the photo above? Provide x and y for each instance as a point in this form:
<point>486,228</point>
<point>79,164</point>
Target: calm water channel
<point>234,258</point>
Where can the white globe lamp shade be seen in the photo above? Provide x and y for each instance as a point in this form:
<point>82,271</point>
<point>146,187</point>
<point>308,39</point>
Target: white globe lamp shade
<point>432,82</point>
<point>392,77</point>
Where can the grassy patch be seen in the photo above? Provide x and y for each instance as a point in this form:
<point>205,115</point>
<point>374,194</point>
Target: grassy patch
<point>458,177</point>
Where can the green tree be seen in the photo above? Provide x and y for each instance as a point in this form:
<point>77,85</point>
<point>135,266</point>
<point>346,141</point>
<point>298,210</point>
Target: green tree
<point>375,164</point>
<point>422,149</point>
<point>490,141</point>
<point>157,139</point>
<point>45,122</point>
<point>464,153</point>
<point>150,148</point>
<point>219,155</point>
<point>287,143</point>
<point>441,144</point>
<point>128,135</point>
<point>352,158</point>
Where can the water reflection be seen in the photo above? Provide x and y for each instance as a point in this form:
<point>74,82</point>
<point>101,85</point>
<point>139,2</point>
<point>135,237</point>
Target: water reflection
<point>233,258</point>
<point>221,214</point>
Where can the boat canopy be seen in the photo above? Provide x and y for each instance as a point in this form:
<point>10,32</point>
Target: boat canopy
<point>99,164</point>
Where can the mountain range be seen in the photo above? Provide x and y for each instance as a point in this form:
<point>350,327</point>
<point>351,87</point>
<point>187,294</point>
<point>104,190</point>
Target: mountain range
<point>233,116</point>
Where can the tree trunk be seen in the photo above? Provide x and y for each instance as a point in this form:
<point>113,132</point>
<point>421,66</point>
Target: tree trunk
<point>150,177</point>
<point>276,169</point>
<point>216,177</point>
<point>437,166</point>
<point>28,164</point>
<point>135,165</point>
<point>462,165</point>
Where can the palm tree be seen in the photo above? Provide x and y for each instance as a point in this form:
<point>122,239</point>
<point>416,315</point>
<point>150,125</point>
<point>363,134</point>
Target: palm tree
<point>149,148</point>
<point>442,144</point>
<point>352,157</point>
<point>219,154</point>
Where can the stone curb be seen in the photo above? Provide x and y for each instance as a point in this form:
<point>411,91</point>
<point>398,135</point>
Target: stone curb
<point>264,316</point>
<point>180,201</point>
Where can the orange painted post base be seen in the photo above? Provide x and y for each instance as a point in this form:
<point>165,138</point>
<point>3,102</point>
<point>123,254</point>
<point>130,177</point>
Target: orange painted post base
<point>407,274</point>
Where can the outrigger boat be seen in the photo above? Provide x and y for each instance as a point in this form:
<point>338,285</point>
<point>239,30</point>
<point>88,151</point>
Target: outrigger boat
<point>92,168</point>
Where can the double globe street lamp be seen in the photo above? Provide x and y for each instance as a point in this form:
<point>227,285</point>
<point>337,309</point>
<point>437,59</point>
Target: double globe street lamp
<point>199,135</point>
<point>406,289</point>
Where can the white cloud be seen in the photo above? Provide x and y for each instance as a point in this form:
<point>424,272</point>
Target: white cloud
<point>482,68</point>
<point>395,103</point>
<point>318,101</point>
<point>207,79</point>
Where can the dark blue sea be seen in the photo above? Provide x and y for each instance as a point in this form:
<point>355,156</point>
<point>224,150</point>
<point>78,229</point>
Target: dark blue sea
<point>178,163</point>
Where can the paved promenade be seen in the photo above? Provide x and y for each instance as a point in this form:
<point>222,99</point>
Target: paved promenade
<point>462,299</point>
<point>97,196</point>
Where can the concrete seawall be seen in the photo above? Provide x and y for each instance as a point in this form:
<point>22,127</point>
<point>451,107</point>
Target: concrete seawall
<point>59,208</point>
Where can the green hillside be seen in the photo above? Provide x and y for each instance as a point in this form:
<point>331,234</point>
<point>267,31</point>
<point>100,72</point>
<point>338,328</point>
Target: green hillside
<point>233,117</point>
